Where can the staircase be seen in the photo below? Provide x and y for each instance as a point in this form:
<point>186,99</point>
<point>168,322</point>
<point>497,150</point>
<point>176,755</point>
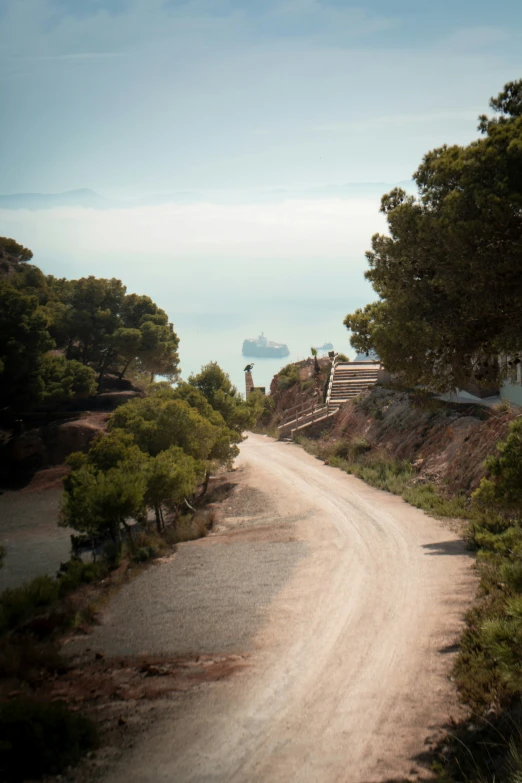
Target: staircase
<point>302,416</point>
<point>351,379</point>
<point>347,380</point>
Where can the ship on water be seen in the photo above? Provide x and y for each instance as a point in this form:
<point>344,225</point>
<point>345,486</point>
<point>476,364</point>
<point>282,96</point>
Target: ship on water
<point>260,346</point>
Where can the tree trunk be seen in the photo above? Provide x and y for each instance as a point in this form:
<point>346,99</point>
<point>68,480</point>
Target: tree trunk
<point>103,369</point>
<point>205,483</point>
<point>116,539</point>
<point>122,373</point>
<point>158,517</point>
<point>128,532</point>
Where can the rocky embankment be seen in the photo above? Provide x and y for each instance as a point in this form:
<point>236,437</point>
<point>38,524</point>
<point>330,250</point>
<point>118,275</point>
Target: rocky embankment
<point>446,442</point>
<point>39,441</point>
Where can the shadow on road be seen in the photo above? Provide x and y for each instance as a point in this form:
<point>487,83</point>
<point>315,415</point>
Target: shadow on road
<point>454,547</point>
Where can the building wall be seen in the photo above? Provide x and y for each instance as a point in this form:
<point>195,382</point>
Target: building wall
<point>512,392</point>
<point>511,389</point>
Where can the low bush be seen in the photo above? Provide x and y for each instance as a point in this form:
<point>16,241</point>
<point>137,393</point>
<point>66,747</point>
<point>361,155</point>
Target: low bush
<point>429,498</point>
<point>351,449</point>
<point>144,553</point>
<point>387,474</point>
<point>288,377</point>
<point>76,573</point>
<point>189,528</point>
<point>39,738</point>
<point>24,657</point>
<point>19,604</point>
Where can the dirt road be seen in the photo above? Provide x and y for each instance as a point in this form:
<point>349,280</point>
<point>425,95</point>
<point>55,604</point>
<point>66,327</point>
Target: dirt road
<point>348,669</point>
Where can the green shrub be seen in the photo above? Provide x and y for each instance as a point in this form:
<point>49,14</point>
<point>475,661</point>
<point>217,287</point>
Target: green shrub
<point>144,553</point>
<point>20,603</point>
<point>288,377</point>
<point>24,657</point>
<point>38,739</point>
<point>429,499</point>
<point>382,473</point>
<point>351,449</point>
<point>76,573</point>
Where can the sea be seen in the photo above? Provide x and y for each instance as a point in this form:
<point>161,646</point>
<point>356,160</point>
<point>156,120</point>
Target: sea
<point>207,336</point>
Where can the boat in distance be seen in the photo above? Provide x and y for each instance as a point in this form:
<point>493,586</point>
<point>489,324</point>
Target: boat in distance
<point>324,347</point>
<point>260,346</point>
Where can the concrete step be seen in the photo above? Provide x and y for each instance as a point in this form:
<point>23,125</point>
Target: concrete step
<point>307,424</point>
<point>351,382</point>
<point>343,394</point>
<point>354,377</point>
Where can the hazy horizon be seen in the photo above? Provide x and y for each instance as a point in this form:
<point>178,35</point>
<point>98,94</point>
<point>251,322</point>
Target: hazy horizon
<point>236,152</point>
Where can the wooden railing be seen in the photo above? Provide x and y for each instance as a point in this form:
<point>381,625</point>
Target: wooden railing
<point>308,411</point>
<point>330,382</point>
<point>301,411</point>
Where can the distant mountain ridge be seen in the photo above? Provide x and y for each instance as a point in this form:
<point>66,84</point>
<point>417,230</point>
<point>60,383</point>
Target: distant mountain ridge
<point>83,197</point>
<point>89,199</point>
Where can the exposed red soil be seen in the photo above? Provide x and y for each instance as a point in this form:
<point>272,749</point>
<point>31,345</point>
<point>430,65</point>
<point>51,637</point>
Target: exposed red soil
<point>126,679</point>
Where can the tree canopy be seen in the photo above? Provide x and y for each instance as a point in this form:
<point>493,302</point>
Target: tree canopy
<point>223,397</point>
<point>24,338</point>
<point>158,449</point>
<point>449,275</point>
<point>94,326</point>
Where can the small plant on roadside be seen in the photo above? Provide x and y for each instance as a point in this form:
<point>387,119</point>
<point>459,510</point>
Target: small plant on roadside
<point>37,738</point>
<point>20,603</point>
<point>504,406</point>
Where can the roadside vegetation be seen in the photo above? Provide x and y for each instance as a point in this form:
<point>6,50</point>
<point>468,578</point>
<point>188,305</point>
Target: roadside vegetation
<point>136,491</point>
<point>448,278</point>
<point>157,457</point>
<point>141,488</point>
<point>488,671</point>
<point>383,472</point>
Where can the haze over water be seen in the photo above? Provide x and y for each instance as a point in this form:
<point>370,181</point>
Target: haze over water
<point>218,337</point>
<point>237,150</point>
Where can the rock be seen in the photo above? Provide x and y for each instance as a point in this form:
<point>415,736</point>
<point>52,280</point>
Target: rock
<point>29,446</point>
<point>62,439</point>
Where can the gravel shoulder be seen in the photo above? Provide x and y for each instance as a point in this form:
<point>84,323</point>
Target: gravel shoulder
<point>29,531</point>
<point>346,603</point>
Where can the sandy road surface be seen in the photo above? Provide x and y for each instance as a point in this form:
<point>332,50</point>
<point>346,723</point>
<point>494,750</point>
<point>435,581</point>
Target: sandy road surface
<point>348,672</point>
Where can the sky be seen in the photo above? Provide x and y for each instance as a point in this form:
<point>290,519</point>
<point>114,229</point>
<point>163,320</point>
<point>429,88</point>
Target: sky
<point>133,98</point>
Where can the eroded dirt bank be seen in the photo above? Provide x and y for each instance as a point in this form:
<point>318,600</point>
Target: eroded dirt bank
<point>347,650</point>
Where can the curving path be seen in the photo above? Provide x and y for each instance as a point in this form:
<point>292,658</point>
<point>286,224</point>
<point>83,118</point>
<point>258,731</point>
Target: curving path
<point>348,673</point>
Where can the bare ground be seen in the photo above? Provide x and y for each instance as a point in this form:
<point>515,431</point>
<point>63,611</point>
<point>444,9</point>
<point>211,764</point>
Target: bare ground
<point>29,530</point>
<point>340,606</point>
